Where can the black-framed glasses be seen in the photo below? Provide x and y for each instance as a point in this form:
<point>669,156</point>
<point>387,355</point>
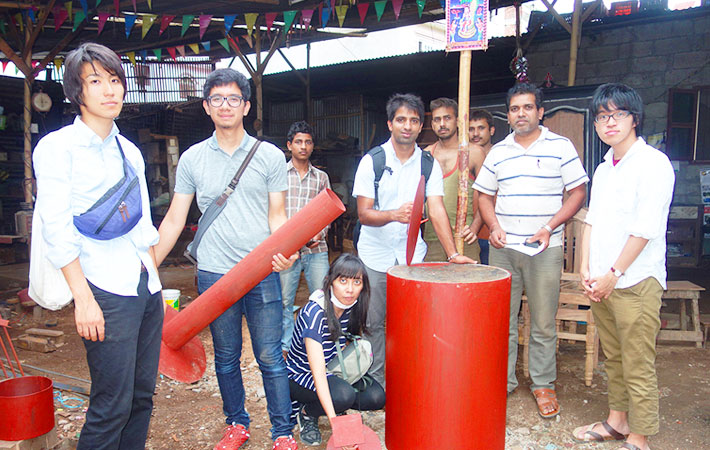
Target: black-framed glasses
<point>218,100</point>
<point>604,118</point>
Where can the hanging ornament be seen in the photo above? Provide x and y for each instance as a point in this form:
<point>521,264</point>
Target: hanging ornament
<point>519,67</point>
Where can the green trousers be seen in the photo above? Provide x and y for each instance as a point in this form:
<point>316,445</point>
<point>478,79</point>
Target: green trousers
<point>628,323</point>
<point>435,252</point>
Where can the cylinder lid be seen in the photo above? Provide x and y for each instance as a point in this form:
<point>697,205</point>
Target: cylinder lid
<point>449,273</point>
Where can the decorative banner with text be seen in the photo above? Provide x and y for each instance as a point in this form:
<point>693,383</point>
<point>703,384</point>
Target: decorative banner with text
<point>466,25</point>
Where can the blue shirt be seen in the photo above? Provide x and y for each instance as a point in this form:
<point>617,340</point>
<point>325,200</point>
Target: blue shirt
<point>74,168</point>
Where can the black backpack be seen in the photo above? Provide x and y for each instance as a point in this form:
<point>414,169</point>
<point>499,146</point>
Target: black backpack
<point>378,165</point>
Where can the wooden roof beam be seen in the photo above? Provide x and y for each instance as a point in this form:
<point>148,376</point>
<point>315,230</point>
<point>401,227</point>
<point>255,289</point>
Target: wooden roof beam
<point>15,58</point>
<point>37,29</point>
<point>557,16</point>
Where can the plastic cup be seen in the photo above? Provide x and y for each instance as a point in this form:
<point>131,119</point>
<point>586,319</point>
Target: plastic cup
<point>172,298</point>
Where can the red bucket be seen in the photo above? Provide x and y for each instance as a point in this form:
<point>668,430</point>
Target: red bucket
<point>26,408</point>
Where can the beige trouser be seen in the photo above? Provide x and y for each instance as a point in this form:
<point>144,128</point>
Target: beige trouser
<point>628,323</point>
<point>435,252</point>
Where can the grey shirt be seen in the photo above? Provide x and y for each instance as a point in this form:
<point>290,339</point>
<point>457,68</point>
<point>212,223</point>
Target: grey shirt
<point>206,170</point>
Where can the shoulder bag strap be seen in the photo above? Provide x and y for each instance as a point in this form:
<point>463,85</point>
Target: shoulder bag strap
<point>217,205</point>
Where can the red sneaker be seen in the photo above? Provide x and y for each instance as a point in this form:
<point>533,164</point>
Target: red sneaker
<point>285,443</point>
<point>234,437</point>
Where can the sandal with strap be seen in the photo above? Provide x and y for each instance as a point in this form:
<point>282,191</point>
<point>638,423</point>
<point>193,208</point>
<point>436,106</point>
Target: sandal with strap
<point>593,436</point>
<point>629,446</point>
<point>545,397</point>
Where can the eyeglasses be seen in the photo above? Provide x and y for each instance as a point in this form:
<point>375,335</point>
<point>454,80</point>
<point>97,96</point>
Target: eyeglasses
<point>604,118</point>
<point>218,100</point>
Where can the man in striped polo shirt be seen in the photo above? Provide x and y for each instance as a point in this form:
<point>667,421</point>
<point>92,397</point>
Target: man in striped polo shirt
<point>529,171</point>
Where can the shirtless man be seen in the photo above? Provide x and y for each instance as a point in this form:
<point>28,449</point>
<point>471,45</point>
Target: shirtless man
<point>444,116</point>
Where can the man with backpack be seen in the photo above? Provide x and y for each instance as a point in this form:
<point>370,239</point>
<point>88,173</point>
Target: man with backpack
<point>385,194</point>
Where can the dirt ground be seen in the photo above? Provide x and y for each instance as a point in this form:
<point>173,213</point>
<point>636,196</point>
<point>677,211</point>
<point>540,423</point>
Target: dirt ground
<point>190,416</point>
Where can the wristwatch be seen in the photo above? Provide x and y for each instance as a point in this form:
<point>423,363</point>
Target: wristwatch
<point>617,273</point>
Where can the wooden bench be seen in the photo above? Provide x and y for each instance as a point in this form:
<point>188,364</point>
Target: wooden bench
<point>684,291</point>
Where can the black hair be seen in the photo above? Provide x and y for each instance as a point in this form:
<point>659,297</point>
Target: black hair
<point>481,114</point>
<point>444,102</point>
<point>223,77</point>
<point>349,266</point>
<point>90,53</point>
<point>524,88</point>
<point>299,127</point>
<point>618,96</point>
<point>409,101</point>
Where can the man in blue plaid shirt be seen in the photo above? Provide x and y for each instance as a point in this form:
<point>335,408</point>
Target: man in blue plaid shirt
<point>304,183</point>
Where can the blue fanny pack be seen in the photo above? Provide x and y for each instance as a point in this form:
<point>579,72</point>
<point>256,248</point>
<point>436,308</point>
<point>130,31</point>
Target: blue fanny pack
<point>117,211</point>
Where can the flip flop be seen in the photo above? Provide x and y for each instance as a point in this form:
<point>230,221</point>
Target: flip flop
<point>544,397</point>
<point>596,437</point>
<point>629,446</point>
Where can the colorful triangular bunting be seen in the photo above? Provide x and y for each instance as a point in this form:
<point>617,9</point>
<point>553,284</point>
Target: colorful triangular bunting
<point>229,22</point>
<point>195,48</point>
<point>250,19</point>
<point>341,11</point>
<point>57,63</point>
<point>306,16</point>
<point>117,7</point>
<point>397,5</point>
<point>380,8</point>
<point>206,45</point>
<point>85,7</point>
<point>420,7</point>
<point>60,15</point>
<point>131,57</point>
<point>148,21</point>
<point>165,23</point>
<point>158,52</point>
<point>325,15</point>
<point>68,7</point>
<point>289,16</point>
<point>270,17</point>
<point>186,21</point>
<point>224,43</point>
<point>103,17</point>
<point>78,18</point>
<point>130,20</point>
<point>181,50</point>
<point>362,10</point>
<point>204,23</point>
<point>171,51</point>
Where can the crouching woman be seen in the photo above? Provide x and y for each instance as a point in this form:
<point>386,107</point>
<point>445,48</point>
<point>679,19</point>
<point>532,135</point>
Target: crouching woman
<point>338,309</point>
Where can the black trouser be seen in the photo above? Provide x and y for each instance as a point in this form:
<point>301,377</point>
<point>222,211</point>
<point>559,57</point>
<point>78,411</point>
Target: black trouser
<point>123,370</point>
<point>344,396</point>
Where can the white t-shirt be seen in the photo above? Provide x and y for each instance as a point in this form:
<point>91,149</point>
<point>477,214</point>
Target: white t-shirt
<point>381,247</point>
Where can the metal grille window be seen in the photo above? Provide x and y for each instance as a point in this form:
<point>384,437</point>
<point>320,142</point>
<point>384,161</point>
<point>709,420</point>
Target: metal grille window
<point>164,81</point>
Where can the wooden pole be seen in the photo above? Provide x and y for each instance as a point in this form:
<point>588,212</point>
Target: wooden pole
<point>258,78</point>
<point>464,95</point>
<point>574,43</point>
<point>309,117</point>
<point>27,122</point>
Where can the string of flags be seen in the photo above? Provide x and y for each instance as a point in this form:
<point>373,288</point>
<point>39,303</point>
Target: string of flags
<point>324,12</point>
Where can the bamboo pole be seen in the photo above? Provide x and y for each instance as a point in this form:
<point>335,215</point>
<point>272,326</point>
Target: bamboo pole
<point>27,123</point>
<point>464,95</point>
<point>258,78</point>
<point>574,43</point>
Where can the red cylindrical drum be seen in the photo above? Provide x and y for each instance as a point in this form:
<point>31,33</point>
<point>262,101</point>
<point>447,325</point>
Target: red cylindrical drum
<point>26,408</point>
<point>447,355</point>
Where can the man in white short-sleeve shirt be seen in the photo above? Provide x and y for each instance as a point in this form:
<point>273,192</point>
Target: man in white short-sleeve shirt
<point>383,236</point>
<point>529,171</point>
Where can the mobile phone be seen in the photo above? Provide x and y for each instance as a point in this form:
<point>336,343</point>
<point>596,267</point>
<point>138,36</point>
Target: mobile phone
<point>534,244</point>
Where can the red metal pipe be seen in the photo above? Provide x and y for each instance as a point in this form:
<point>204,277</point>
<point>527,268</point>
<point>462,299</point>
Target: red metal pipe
<point>251,270</point>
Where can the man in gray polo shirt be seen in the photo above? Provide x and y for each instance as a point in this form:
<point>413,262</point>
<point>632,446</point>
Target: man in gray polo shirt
<point>252,213</point>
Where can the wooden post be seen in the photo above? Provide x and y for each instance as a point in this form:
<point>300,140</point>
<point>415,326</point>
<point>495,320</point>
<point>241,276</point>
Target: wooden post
<point>574,43</point>
<point>27,121</point>
<point>309,114</point>
<point>464,95</point>
<point>258,78</point>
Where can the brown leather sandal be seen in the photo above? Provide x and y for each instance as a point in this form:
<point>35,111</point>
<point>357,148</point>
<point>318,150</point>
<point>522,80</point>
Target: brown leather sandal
<point>546,397</point>
<point>593,436</point>
<point>629,446</point>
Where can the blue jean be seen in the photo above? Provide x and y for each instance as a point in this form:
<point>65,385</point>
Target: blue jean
<point>485,250</point>
<point>123,370</point>
<point>315,267</point>
<point>262,308</point>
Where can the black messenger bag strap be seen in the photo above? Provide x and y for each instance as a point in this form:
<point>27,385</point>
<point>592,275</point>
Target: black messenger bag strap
<point>217,206</point>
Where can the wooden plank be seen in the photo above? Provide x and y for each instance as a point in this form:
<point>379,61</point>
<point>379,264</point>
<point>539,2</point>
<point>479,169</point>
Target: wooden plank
<point>683,286</point>
<point>675,335</point>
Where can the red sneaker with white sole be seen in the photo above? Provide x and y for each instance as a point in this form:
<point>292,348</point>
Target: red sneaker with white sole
<point>285,443</point>
<point>234,436</point>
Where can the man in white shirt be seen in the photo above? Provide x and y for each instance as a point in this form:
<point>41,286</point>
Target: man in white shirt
<point>383,237</point>
<point>529,171</point>
<point>118,305</point>
<point>623,266</point>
